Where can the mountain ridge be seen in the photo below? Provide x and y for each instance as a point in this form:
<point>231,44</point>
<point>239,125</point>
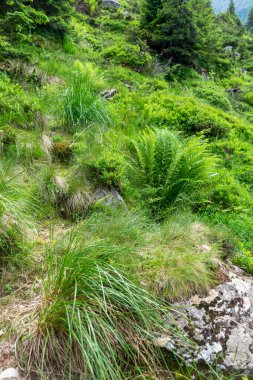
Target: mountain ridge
<point>242,7</point>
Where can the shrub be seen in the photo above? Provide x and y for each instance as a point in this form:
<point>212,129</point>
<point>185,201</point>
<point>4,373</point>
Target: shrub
<point>229,194</point>
<point>214,97</point>
<point>15,105</point>
<point>106,169</point>
<point>186,113</point>
<point>128,55</point>
<point>7,137</point>
<point>169,170</point>
<point>62,151</point>
<point>88,306</point>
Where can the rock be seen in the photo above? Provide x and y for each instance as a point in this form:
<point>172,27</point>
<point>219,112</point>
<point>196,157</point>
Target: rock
<point>108,94</point>
<point>234,91</point>
<point>110,4</point>
<point>218,326</point>
<point>10,374</point>
<point>47,145</point>
<point>108,197</point>
<point>55,80</point>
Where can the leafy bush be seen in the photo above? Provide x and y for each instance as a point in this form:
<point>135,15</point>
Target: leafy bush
<point>229,194</point>
<point>15,105</point>
<point>62,150</point>
<point>214,97</point>
<point>106,169</point>
<point>18,18</point>
<point>128,55</point>
<point>169,170</point>
<point>186,113</point>
<point>87,306</point>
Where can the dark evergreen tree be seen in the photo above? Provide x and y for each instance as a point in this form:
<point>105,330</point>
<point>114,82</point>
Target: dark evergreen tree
<point>209,41</point>
<point>232,12</point>
<point>249,23</point>
<point>171,30</point>
<point>19,17</point>
<point>231,8</point>
<point>149,12</point>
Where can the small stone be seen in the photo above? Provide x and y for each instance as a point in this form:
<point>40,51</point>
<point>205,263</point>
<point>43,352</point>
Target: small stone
<point>10,374</point>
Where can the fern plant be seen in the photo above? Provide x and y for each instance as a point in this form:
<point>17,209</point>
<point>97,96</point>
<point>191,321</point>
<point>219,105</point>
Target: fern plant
<point>168,169</point>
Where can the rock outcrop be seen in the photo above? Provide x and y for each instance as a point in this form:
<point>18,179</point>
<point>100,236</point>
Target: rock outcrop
<point>219,326</point>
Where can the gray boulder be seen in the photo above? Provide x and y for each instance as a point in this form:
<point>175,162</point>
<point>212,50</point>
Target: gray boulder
<point>219,326</point>
<point>110,4</point>
<point>108,197</point>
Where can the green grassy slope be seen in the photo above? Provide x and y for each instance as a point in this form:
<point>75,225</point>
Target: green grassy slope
<point>61,140</point>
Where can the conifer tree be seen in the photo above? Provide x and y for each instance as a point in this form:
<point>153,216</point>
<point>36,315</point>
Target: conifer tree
<point>209,42</point>
<point>249,23</point>
<point>231,8</point>
<point>172,31</point>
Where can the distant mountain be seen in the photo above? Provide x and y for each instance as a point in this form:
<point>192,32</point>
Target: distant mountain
<point>242,7</point>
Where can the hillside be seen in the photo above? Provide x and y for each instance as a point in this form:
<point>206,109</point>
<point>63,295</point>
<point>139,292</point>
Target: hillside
<point>126,193</point>
<point>242,7</point>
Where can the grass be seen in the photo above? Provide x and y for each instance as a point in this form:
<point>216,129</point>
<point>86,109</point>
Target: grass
<point>85,306</point>
<point>82,105</point>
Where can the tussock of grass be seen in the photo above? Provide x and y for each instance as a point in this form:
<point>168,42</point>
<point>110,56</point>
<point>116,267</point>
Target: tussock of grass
<point>91,321</point>
<point>82,105</point>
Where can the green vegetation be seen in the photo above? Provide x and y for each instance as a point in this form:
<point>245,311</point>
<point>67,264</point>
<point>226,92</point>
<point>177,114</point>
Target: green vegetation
<point>126,174</point>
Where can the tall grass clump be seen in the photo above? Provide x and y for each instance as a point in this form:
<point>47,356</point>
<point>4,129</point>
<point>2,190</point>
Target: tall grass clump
<point>169,170</point>
<point>14,211</point>
<point>91,322</point>
<point>82,104</point>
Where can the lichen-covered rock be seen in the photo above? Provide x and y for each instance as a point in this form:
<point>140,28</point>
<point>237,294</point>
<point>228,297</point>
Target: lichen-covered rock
<point>108,197</point>
<point>110,4</point>
<point>219,326</point>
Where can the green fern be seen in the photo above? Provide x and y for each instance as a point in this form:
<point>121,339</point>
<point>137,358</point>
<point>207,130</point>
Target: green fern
<point>168,169</point>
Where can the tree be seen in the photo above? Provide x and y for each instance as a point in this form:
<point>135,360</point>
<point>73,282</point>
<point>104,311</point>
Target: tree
<point>18,18</point>
<point>149,12</point>
<point>232,12</point>
<point>249,23</point>
<point>209,42</point>
<point>231,8</point>
<point>171,30</point>
<point>183,31</point>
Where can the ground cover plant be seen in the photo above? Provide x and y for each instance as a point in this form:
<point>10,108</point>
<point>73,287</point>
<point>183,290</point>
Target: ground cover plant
<point>126,151</point>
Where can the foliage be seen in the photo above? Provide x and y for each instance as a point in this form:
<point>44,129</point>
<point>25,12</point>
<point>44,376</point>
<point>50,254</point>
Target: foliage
<point>169,170</point>
<point>182,31</point>
<point>106,169</point>
<point>15,105</point>
<point>20,17</point>
<point>172,32</point>
<point>128,55</point>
